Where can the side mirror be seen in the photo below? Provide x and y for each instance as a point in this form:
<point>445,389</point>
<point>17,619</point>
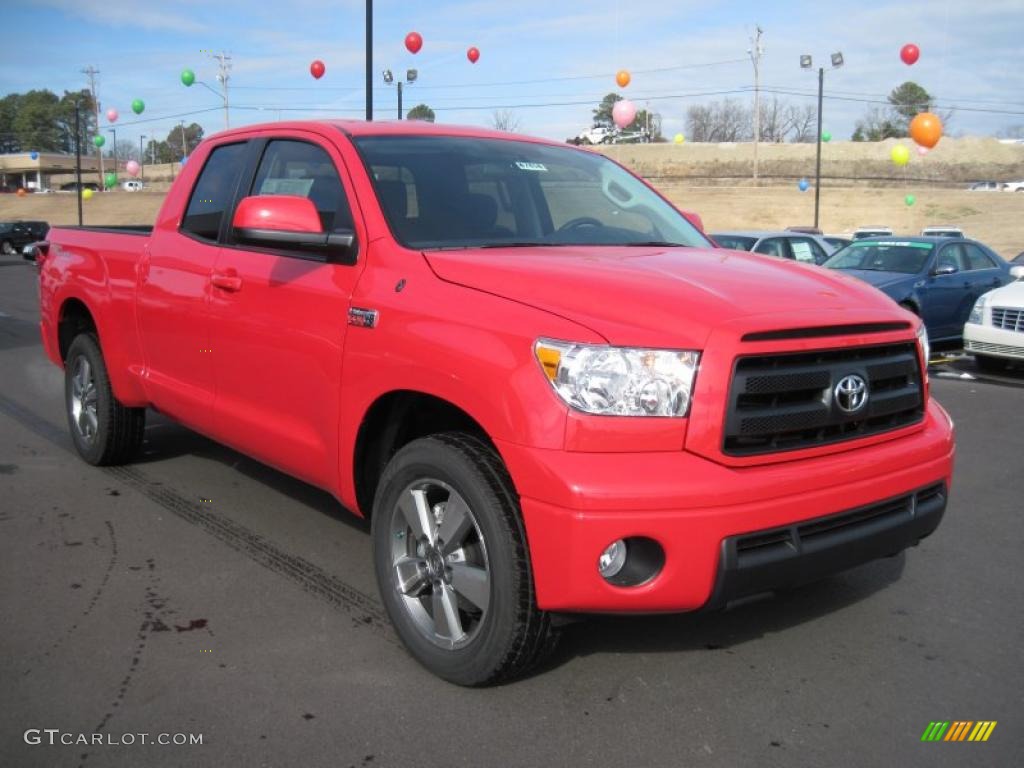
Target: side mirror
<point>945,269</point>
<point>694,219</point>
<point>287,221</point>
<point>1017,273</point>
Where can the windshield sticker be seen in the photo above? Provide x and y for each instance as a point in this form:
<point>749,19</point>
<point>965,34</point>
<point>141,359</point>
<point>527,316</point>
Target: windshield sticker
<point>531,166</point>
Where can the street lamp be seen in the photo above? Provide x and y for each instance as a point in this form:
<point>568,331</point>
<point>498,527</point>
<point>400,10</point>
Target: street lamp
<point>410,78</point>
<point>807,63</point>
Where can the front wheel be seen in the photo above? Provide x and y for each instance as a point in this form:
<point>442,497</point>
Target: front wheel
<point>103,430</point>
<point>452,564</point>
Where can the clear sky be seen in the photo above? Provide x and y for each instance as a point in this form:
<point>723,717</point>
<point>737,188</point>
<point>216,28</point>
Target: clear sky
<point>549,62</point>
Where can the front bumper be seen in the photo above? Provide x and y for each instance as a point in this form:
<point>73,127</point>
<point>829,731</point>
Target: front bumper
<point>998,342</point>
<point>575,504</point>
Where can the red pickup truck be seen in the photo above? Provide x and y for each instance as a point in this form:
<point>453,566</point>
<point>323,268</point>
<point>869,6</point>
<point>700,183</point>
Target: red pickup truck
<point>544,385</point>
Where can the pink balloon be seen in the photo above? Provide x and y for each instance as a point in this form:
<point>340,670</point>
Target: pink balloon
<point>623,112</point>
<point>132,168</point>
<point>112,115</point>
<point>922,151</point>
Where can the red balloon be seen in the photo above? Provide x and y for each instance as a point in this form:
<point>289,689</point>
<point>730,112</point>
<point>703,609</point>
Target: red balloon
<point>473,54</point>
<point>910,53</point>
<point>317,69</point>
<point>413,42</point>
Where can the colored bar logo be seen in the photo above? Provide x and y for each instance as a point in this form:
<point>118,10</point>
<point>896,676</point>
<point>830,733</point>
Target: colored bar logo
<point>959,730</point>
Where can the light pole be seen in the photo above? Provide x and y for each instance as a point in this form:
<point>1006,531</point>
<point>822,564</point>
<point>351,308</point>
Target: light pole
<point>410,78</point>
<point>142,157</point>
<point>369,60</point>
<point>114,150</point>
<point>807,63</point>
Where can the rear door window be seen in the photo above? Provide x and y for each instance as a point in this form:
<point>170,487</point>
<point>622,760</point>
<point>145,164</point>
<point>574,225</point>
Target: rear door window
<point>977,258</point>
<point>774,246</point>
<point>214,191</point>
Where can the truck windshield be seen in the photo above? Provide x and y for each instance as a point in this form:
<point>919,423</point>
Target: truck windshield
<point>463,192</point>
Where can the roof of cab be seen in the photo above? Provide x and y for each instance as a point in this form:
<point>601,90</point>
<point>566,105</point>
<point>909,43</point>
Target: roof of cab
<point>356,128</point>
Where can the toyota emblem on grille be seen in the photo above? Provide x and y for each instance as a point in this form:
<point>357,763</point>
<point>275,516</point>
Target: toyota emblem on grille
<point>851,393</point>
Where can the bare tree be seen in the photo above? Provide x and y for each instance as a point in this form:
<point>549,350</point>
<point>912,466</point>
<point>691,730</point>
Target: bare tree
<point>506,120</point>
<point>718,121</point>
<point>803,122</point>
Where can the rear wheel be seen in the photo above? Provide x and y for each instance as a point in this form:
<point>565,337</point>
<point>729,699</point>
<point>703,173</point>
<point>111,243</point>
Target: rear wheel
<point>103,430</point>
<point>452,564</point>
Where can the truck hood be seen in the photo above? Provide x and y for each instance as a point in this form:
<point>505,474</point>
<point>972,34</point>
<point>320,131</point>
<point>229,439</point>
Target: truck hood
<point>652,296</point>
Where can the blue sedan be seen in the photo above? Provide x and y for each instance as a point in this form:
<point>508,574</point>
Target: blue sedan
<point>938,278</point>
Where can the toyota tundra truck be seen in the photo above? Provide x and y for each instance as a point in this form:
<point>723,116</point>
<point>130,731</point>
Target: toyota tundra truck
<point>548,391</point>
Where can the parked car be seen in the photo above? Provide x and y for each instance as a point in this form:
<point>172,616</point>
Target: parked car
<point>994,332</point>
<point>132,185</point>
<point>943,231</point>
<point>15,235</point>
<point>985,186</point>
<point>862,232</point>
<point>1013,186</point>
<point>812,249</point>
<point>837,241</point>
<point>937,278</point>
<point>805,230</point>
<point>72,186</point>
<point>490,347</point>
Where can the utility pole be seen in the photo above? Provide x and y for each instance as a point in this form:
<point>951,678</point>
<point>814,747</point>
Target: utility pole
<point>369,60</point>
<point>91,73</point>
<point>142,157</point>
<point>114,148</point>
<point>756,51</point>
<point>399,99</point>
<point>78,155</point>
<point>223,75</point>
<point>817,163</point>
<point>184,144</point>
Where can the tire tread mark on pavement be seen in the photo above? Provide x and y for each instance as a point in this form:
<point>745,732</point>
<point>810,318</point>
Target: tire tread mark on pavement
<point>364,609</point>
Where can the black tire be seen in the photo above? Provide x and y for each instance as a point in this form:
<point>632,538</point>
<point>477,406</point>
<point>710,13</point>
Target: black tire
<point>118,431</point>
<point>512,634</point>
<point>989,364</point>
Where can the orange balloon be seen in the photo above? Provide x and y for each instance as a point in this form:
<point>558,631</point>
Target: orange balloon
<point>622,78</point>
<point>926,129</point>
<point>22,192</point>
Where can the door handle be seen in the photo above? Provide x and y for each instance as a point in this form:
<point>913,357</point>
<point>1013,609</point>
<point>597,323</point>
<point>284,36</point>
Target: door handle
<point>226,282</point>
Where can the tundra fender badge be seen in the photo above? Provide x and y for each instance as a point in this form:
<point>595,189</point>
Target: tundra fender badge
<point>363,318</point>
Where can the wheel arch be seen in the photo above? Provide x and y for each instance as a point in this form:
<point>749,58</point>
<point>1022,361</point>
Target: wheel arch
<point>392,421</point>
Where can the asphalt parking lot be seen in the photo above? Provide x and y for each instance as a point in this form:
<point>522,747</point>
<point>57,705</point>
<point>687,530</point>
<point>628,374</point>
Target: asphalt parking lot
<point>199,592</point>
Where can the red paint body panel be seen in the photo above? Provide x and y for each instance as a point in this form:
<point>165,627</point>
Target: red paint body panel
<point>253,348</point>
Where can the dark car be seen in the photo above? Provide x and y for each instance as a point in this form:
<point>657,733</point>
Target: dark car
<point>938,278</point>
<point>72,186</point>
<point>14,235</point>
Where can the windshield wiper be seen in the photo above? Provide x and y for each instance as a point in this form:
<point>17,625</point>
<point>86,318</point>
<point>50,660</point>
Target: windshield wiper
<point>655,243</point>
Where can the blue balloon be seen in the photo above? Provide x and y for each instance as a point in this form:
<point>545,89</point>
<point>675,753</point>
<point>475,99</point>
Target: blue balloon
<point>804,185</point>
<point>184,159</point>
<point>34,155</point>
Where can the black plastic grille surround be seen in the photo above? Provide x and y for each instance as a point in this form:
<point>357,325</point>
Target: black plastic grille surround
<point>787,401</point>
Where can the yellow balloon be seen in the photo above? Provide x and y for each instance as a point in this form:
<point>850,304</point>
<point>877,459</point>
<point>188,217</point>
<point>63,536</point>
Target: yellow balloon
<point>900,155</point>
<point>86,193</point>
<point>679,139</point>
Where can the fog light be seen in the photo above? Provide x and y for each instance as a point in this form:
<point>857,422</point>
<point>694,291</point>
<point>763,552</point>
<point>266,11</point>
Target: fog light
<point>612,559</point>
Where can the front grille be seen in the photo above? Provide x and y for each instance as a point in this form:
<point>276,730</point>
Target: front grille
<point>1008,319</point>
<point>786,402</point>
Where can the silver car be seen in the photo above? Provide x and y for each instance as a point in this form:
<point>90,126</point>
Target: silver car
<point>812,249</point>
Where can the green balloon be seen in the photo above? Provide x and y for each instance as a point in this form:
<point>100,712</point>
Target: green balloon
<point>111,180</point>
<point>99,141</point>
<point>138,106</point>
<point>188,77</point>
<point>826,136</point>
<point>909,199</point>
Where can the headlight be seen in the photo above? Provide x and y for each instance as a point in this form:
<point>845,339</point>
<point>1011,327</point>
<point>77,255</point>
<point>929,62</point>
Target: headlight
<point>922,340</point>
<point>619,381</point>
<point>977,316</point>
